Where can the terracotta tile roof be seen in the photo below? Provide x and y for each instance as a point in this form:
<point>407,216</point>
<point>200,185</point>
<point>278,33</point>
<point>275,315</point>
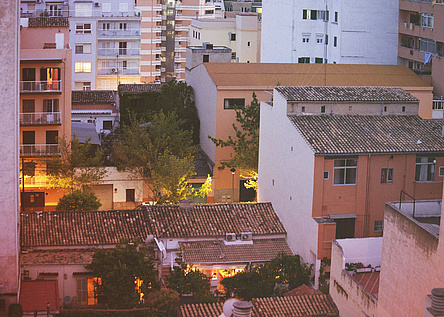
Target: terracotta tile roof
<point>92,97</point>
<point>369,281</point>
<point>108,227</point>
<point>298,306</point>
<point>74,256</point>
<point>303,290</point>
<point>35,294</point>
<point>333,93</point>
<point>301,74</point>
<point>138,88</point>
<point>355,134</point>
<point>216,251</point>
<point>48,22</point>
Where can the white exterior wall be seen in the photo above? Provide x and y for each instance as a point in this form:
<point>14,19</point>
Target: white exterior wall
<point>366,31</point>
<point>97,116</point>
<point>205,96</point>
<point>9,151</point>
<point>122,181</point>
<point>286,161</point>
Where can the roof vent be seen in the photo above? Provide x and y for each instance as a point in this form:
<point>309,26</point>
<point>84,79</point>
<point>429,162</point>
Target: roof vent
<point>230,237</point>
<point>242,309</point>
<point>438,300</point>
<point>246,236</point>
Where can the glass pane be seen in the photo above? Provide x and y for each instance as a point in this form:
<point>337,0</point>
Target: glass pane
<point>339,163</point>
<point>350,176</point>
<point>352,162</point>
<point>383,175</point>
<point>338,177</point>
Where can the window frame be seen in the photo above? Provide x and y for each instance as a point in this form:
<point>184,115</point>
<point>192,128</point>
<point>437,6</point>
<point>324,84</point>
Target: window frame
<point>229,103</point>
<point>80,48</point>
<point>349,165</point>
<point>304,60</point>
<point>130,195</point>
<point>421,167</point>
<point>81,28</point>
<point>82,67</point>
<point>386,175</point>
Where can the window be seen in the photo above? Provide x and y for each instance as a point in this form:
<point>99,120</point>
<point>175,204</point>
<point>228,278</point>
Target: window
<point>86,85</point>
<point>303,109</point>
<point>122,48</point>
<point>309,14</point>
<point>83,48</point>
<point>318,60</point>
<point>322,15</point>
<point>378,226</point>
<point>248,44</point>
<point>305,37</point>
<point>51,137</point>
<point>336,17</point>
<point>131,195</point>
<point>345,228</point>
<point>323,109</point>
<point>50,105</point>
<point>81,67</point>
<point>231,103</point>
<point>427,20</point>
<point>427,45</point>
<point>28,106</point>
<point>403,109</point>
<point>205,58</point>
<point>83,28</point>
<point>28,74</point>
<point>335,41</point>
<point>122,26</point>
<point>425,169</point>
<point>232,36</point>
<point>304,60</point>
<point>387,176</point>
<point>319,38</point>
<point>326,175</point>
<point>344,171</point>
<point>83,10</point>
<point>233,55</point>
<point>107,125</point>
<point>85,290</point>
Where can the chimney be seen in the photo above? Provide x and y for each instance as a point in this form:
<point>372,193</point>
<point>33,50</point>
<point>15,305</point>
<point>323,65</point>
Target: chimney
<point>242,309</point>
<point>186,204</point>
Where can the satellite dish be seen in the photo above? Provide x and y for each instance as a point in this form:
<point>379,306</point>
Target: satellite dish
<point>228,307</point>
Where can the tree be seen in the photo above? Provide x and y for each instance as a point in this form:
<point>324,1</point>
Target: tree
<point>262,280</point>
<point>77,167</point>
<point>161,153</point>
<point>165,302</point>
<point>245,142</point>
<point>119,270</point>
<point>78,201</point>
<point>188,280</point>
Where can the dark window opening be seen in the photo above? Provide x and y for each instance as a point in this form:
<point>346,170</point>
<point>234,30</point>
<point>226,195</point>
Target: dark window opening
<point>51,137</point>
<point>205,58</point>
<point>304,60</point>
<point>345,228</point>
<point>232,103</point>
<point>131,195</point>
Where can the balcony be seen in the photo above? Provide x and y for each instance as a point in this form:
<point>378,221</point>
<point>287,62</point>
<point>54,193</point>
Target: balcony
<point>114,52</point>
<point>118,33</point>
<point>40,86</point>
<point>119,71</point>
<point>39,150</point>
<point>40,118</point>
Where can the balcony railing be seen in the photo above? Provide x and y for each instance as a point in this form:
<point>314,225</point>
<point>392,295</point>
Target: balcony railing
<point>40,118</point>
<point>41,86</point>
<point>120,71</point>
<point>95,12</point>
<point>39,149</point>
<point>119,33</point>
<point>119,52</point>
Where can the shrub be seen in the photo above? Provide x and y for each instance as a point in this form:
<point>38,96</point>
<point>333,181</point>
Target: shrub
<point>78,201</point>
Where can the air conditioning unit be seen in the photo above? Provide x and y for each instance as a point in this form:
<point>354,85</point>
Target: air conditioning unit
<point>441,171</point>
<point>96,4</point>
<point>246,236</point>
<point>113,70</point>
<point>230,237</point>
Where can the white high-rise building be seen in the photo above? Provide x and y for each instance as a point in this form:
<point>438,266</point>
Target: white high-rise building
<point>332,31</point>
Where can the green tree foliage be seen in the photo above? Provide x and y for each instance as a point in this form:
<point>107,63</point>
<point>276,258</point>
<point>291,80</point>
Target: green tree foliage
<point>78,201</point>
<point>78,166</point>
<point>188,280</point>
<point>245,142</point>
<point>261,280</point>
<point>161,153</point>
<point>165,303</point>
<point>174,96</point>
<point>118,270</point>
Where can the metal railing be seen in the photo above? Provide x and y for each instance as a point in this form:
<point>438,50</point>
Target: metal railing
<point>39,149</point>
<point>400,201</point>
<point>120,71</point>
<point>40,118</point>
<point>96,12</point>
<point>118,51</point>
<point>41,86</point>
<point>118,32</point>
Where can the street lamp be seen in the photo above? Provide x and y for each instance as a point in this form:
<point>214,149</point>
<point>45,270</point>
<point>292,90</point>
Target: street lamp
<point>232,170</point>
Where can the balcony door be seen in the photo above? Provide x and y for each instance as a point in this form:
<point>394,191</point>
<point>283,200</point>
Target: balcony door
<point>28,111</point>
<point>28,78</point>
<point>28,142</point>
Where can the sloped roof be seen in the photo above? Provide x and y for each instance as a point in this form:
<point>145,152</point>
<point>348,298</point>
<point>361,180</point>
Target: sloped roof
<point>73,256</point>
<point>84,131</point>
<point>73,228</point>
<point>355,134</point>
<point>298,306</point>
<point>216,251</point>
<point>301,74</point>
<point>92,97</point>
<point>138,88</point>
<point>344,94</point>
<point>303,290</point>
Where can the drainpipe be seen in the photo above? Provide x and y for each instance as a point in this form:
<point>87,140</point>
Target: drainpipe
<point>366,209</point>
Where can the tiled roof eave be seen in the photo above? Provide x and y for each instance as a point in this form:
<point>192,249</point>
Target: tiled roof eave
<point>339,153</point>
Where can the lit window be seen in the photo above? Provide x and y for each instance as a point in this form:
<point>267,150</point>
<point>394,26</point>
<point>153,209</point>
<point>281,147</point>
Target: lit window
<point>344,171</point>
<point>81,67</point>
<point>425,169</point>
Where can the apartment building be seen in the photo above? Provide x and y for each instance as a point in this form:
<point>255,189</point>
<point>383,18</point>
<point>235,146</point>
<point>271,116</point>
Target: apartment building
<point>165,25</point>
<point>329,31</point>
<point>242,34</point>
<point>329,170</point>
<point>45,104</point>
<point>9,134</point>
<point>421,44</point>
